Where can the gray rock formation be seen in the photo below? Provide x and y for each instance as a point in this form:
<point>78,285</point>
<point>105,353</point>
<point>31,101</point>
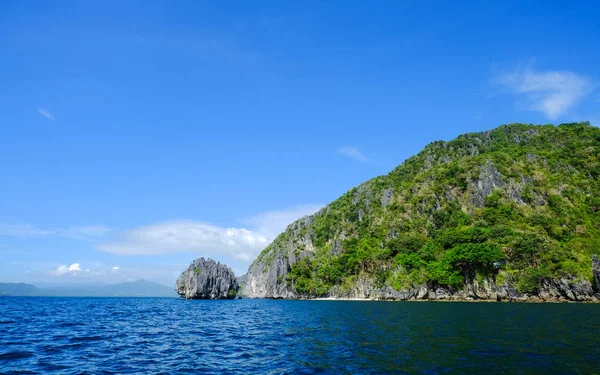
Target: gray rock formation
<point>489,179</point>
<point>386,197</point>
<point>207,279</point>
<point>266,277</point>
<point>268,280</point>
<point>262,281</point>
<point>550,290</point>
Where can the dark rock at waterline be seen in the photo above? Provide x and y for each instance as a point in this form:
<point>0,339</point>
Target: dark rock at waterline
<point>596,273</point>
<point>207,279</point>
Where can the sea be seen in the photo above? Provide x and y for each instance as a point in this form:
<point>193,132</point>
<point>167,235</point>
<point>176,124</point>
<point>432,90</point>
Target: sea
<point>56,335</point>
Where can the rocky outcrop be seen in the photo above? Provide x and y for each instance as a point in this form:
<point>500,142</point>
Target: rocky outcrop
<point>489,179</point>
<point>267,280</point>
<point>207,279</point>
<point>559,290</point>
<point>266,277</point>
<point>565,289</point>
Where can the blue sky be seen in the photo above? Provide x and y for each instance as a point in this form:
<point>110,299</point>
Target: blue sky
<point>136,136</point>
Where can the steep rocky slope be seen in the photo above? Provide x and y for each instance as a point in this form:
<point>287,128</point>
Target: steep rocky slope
<point>207,279</point>
<point>510,213</point>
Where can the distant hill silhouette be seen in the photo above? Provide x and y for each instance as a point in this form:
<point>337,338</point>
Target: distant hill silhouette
<point>140,288</point>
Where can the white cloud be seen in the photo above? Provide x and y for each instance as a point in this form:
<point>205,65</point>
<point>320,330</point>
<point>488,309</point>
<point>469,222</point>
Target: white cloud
<point>271,223</point>
<point>241,244</point>
<point>47,275</point>
<point>551,92</point>
<point>116,268</point>
<point>166,274</point>
<point>187,236</point>
<point>352,152</point>
<point>74,232</point>
<point>46,113</point>
<point>98,272</point>
<point>64,270</point>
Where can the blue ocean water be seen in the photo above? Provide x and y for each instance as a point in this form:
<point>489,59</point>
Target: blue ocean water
<point>161,335</point>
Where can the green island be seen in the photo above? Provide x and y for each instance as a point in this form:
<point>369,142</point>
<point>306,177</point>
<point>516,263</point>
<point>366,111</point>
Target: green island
<point>517,206</point>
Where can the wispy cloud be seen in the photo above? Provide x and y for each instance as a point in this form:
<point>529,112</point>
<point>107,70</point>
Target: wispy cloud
<point>353,152</point>
<point>205,239</point>
<point>551,92</point>
<point>46,113</point>
<point>201,46</point>
<point>22,230</point>
<point>271,223</point>
<point>81,232</point>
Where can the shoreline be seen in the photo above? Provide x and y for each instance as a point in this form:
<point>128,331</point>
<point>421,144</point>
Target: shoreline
<point>468,300</point>
<point>439,300</point>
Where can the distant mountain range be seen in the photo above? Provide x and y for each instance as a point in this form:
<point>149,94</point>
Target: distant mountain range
<point>140,288</point>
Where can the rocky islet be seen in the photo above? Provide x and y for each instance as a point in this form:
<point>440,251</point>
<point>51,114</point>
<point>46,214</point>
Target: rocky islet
<point>207,279</point>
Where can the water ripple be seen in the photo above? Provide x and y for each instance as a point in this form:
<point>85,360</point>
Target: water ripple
<point>15,355</point>
<point>147,335</point>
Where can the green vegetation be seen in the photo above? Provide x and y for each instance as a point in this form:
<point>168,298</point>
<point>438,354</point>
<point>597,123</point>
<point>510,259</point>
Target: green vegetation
<point>520,202</point>
<point>232,293</point>
<point>197,271</point>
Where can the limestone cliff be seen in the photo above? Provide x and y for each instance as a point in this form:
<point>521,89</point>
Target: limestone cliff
<point>207,279</point>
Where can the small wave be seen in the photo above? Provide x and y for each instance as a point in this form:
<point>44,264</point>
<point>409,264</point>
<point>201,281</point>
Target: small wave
<point>51,349</point>
<point>67,347</point>
<point>52,366</point>
<point>71,324</point>
<point>15,343</point>
<point>11,356</point>
<point>87,338</point>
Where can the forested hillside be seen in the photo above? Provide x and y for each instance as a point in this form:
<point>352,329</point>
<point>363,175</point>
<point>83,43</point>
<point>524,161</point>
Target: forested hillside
<point>517,207</point>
